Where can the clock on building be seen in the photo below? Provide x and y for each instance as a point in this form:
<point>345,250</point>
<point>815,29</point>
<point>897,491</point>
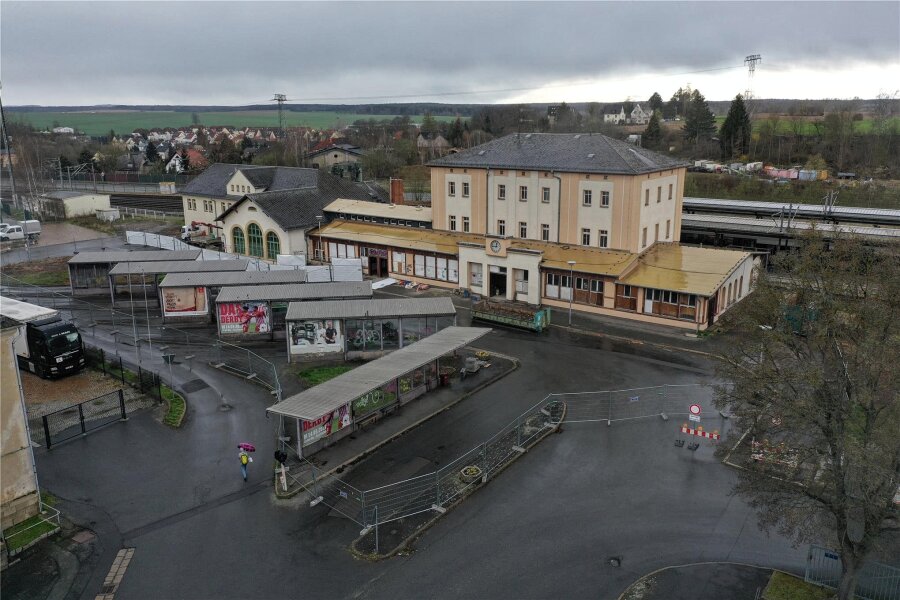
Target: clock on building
<point>495,246</point>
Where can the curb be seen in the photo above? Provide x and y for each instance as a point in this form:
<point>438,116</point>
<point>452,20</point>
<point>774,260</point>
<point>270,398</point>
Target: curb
<point>176,425</point>
<point>353,460</point>
<point>404,544</point>
<point>697,564</point>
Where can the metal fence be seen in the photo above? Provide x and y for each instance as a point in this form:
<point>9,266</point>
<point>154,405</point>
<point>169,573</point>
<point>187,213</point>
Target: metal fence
<point>78,419</point>
<point>877,581</point>
<point>17,541</point>
<point>635,403</point>
<point>143,333</point>
<point>434,490</point>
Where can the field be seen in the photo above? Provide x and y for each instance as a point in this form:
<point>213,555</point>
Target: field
<point>807,127</point>
<point>99,123</point>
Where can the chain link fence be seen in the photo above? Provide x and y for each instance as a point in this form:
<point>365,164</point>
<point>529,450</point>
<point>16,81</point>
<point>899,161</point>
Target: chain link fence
<point>83,417</point>
<point>431,491</point>
<point>144,334</point>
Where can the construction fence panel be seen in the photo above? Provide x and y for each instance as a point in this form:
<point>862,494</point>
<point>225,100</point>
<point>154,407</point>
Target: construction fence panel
<point>877,581</point>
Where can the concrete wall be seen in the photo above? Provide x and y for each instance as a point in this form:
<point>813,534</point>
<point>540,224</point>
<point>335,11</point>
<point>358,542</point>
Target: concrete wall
<point>85,205</point>
<point>19,497</point>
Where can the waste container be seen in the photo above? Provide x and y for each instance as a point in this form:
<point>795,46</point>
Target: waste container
<point>445,379</point>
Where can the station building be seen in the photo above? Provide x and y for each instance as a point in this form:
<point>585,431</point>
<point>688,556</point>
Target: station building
<point>556,219</point>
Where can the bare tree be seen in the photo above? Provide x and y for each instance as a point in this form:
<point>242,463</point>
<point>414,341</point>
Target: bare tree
<point>815,377</point>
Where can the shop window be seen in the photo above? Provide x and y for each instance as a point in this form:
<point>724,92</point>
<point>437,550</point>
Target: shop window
<point>237,240</point>
<point>254,240</point>
<point>453,270</point>
<point>475,274</point>
<point>399,262</point>
<point>273,245</point>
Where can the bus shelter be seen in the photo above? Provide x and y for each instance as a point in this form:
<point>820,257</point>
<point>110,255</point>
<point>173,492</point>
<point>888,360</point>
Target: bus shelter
<point>363,328</point>
<point>179,292</point>
<point>126,274</point>
<point>251,310</point>
<point>325,413</point>
<point>88,271</point>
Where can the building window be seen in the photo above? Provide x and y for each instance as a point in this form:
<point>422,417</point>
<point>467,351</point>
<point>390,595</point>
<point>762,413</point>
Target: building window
<point>254,240</point>
<point>741,287</point>
<point>475,274</point>
<point>668,227</point>
<point>523,229</point>
<point>273,245</point>
<point>670,191</point>
<point>501,192</point>
<point>625,297</point>
<point>223,207</point>
<point>232,187</point>
<point>656,232</point>
<point>545,195</point>
<point>644,237</point>
<point>597,286</point>
<point>237,240</point>
<point>604,238</point>
<point>545,232</point>
<point>465,224</point>
<point>670,304</point>
<point>523,193</point>
<point>585,237</point>
<point>604,199</point>
<point>452,223</point>
<point>451,188</point>
<point>659,194</point>
<point>582,283</point>
<point>465,189</point>
<point>647,197</point>
<point>586,197</point>
<point>501,227</point>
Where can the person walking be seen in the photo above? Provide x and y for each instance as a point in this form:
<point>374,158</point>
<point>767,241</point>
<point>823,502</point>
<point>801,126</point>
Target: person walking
<point>245,459</point>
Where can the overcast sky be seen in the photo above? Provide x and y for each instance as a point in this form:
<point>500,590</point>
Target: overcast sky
<point>232,53</point>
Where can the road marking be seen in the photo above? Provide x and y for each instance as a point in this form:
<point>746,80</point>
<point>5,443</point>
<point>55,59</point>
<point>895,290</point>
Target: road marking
<point>115,575</point>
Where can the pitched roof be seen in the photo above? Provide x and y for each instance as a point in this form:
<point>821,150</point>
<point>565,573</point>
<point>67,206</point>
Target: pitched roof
<point>336,290</point>
<point>348,148</point>
<point>687,269</point>
<point>577,153</point>
<point>379,209</point>
<point>371,308</point>
<point>214,180</point>
<point>230,278</point>
<point>296,208</point>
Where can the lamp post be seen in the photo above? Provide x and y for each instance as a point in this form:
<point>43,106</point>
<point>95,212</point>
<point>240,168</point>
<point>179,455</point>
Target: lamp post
<point>571,288</point>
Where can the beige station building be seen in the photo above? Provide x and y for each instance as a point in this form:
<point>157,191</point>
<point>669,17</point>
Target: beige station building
<point>551,219</point>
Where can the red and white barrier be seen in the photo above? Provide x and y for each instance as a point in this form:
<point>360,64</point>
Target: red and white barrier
<point>699,432</point>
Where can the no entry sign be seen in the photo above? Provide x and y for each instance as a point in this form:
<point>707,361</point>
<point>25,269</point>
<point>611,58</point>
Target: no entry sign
<point>695,409</point>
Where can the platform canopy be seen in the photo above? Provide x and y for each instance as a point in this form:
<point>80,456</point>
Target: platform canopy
<point>136,256</point>
<point>370,308</point>
<point>326,397</point>
<point>297,291</point>
<point>229,278</point>
<point>189,266</point>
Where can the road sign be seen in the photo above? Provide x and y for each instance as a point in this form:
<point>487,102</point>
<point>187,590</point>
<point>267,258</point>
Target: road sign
<point>694,418</point>
<point>695,409</point>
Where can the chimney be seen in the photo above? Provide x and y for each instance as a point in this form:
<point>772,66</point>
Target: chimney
<point>396,191</point>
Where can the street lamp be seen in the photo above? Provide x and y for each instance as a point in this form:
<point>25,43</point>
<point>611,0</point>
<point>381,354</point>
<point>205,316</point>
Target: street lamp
<point>571,288</point>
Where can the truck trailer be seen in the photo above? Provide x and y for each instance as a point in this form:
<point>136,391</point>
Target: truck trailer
<point>52,346</point>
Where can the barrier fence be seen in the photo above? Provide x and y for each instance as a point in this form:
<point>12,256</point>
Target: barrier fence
<point>635,403</point>
<point>82,417</point>
<point>431,491</point>
<point>142,333</point>
<point>877,581</point>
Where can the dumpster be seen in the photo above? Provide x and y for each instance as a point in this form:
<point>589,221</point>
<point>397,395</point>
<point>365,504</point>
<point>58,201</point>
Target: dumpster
<point>445,379</point>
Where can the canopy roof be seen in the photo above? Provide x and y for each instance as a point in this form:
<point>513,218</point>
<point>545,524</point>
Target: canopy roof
<point>370,308</point>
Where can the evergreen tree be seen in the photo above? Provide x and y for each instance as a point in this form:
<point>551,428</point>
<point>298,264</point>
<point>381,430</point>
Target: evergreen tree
<point>656,102</point>
<point>429,124</point>
<point>735,132</point>
<point>151,152</point>
<point>699,122</point>
<point>455,133</point>
<point>653,133</point>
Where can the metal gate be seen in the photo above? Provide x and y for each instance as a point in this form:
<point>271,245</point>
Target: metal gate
<point>876,581</point>
<point>79,419</point>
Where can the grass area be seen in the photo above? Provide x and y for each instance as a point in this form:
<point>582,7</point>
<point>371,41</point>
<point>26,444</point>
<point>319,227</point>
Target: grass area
<point>19,536</point>
<point>807,126</point>
<point>177,407</point>
<point>96,224</point>
<point>319,375</point>
<point>49,272</point>
<point>712,185</point>
<point>99,122</point>
<point>787,587</point>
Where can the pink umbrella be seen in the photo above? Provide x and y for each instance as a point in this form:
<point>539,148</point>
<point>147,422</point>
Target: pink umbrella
<point>247,446</point>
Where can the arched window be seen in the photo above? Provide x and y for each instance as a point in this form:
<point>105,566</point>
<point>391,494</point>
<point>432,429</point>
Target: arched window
<point>254,240</point>
<point>741,287</point>
<point>237,240</point>
<point>273,245</point>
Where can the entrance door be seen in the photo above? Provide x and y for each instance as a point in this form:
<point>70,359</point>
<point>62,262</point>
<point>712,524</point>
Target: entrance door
<point>497,282</point>
<point>382,267</point>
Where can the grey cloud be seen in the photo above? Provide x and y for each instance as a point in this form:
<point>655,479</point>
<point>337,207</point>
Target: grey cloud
<point>230,52</point>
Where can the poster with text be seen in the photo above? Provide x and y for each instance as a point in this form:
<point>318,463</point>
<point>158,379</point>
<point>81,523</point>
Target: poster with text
<point>184,301</point>
<point>315,337</point>
<point>327,424</point>
<point>243,317</point>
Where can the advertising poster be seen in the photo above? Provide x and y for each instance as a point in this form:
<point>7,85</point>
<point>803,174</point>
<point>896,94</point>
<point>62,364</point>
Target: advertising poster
<point>326,425</point>
<point>314,337</point>
<point>243,317</point>
<point>184,301</point>
<point>374,400</point>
